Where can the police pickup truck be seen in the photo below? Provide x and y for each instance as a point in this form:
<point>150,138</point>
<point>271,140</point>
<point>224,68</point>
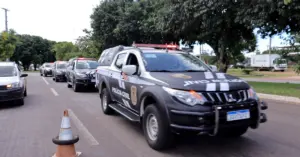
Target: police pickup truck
<point>81,73</point>
<point>171,92</point>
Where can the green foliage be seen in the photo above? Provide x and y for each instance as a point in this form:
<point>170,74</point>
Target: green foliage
<point>33,50</point>
<point>247,71</point>
<point>60,49</point>
<point>8,41</point>
<point>297,68</point>
<point>87,46</point>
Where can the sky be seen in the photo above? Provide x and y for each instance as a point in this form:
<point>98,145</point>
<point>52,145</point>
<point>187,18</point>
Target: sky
<point>64,20</point>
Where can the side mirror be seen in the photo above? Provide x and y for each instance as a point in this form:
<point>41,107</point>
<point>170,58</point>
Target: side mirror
<point>129,69</point>
<point>24,75</point>
<point>213,68</point>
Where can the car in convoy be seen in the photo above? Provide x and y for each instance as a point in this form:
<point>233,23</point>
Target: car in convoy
<point>13,84</point>
<point>46,69</point>
<point>81,73</point>
<point>59,71</point>
<point>171,92</point>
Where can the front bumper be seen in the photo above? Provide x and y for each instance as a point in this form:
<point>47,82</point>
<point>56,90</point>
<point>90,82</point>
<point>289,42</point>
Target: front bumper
<point>60,76</point>
<point>211,122</point>
<point>48,72</point>
<point>85,82</point>
<point>11,94</point>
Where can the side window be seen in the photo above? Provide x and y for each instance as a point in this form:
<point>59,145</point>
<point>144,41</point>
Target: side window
<point>132,60</point>
<point>120,60</point>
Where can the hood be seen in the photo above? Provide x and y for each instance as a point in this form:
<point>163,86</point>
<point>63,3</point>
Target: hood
<point>200,81</point>
<point>48,68</point>
<point>8,80</point>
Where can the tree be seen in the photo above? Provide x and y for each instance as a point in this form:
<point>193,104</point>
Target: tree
<point>8,41</point>
<point>32,50</point>
<point>60,49</point>
<point>87,46</point>
<point>210,21</point>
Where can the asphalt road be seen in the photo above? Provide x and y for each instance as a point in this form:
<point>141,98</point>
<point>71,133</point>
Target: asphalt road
<point>27,131</point>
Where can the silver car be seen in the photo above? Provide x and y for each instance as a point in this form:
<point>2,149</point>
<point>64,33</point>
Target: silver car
<point>13,84</point>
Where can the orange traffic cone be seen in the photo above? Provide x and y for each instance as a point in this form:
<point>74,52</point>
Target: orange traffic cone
<point>65,140</point>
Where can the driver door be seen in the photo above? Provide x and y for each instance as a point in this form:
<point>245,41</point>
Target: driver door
<point>132,86</point>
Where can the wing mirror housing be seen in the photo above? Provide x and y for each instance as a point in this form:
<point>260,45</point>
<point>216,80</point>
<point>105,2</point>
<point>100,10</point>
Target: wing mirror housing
<point>213,68</point>
<point>129,69</point>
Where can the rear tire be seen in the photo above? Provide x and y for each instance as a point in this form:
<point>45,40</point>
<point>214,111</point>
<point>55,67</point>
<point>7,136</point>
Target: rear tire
<point>68,84</point>
<point>105,100</point>
<point>156,129</point>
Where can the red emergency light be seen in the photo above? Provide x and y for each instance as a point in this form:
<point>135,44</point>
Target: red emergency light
<point>85,58</point>
<point>163,46</point>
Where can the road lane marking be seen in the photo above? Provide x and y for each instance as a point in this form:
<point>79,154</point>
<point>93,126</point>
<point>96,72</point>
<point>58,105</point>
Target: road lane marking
<point>54,92</point>
<point>45,80</point>
<point>82,129</point>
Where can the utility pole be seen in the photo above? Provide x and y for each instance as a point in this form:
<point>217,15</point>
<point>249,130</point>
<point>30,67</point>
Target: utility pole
<point>6,26</point>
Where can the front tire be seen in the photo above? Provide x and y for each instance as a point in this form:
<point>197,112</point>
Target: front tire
<point>156,129</point>
<point>25,92</point>
<point>105,100</point>
<point>75,87</point>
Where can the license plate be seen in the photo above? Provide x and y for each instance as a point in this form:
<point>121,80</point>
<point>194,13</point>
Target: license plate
<point>238,115</point>
<point>93,80</point>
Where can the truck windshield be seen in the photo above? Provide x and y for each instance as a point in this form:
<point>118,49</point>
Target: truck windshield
<point>86,64</point>
<point>8,71</point>
<point>173,62</point>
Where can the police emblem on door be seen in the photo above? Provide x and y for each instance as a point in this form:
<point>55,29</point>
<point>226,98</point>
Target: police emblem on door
<point>133,95</point>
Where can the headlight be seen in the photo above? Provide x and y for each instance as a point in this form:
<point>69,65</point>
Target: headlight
<point>81,75</point>
<point>14,85</point>
<point>252,94</point>
<point>191,98</point>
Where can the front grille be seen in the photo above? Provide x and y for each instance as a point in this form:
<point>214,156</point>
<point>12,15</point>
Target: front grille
<point>3,87</point>
<point>226,97</point>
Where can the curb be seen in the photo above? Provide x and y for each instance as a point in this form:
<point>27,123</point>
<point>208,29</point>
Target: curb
<point>279,98</point>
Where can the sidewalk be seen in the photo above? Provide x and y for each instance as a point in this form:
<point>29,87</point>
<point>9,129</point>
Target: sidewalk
<point>279,98</point>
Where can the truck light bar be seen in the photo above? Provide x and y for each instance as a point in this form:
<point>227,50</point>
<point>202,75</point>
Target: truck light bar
<point>164,46</point>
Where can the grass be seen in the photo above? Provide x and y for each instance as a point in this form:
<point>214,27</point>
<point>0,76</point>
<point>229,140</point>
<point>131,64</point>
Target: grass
<point>283,89</point>
<point>260,74</point>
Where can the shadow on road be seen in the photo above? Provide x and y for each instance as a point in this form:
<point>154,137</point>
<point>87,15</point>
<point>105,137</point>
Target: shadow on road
<point>195,146</point>
<point>8,105</point>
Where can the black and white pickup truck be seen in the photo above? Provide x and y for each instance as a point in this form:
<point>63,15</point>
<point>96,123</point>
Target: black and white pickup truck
<point>80,73</point>
<point>171,92</point>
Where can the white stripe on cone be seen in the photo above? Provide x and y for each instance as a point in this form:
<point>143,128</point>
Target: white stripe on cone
<point>65,129</point>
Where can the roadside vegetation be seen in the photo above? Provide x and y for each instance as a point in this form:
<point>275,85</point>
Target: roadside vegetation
<point>283,89</point>
<point>261,74</point>
<point>227,26</point>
